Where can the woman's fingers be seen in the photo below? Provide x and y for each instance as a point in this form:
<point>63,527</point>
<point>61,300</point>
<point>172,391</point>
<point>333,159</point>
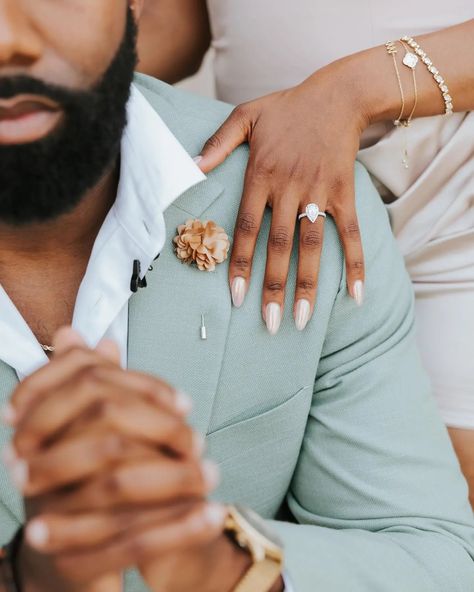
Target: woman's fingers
<point>59,533</point>
<point>247,229</point>
<point>345,217</point>
<point>198,526</point>
<point>310,247</point>
<point>233,132</point>
<point>280,246</point>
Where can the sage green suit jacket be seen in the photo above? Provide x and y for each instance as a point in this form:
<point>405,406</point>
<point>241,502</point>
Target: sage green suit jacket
<point>337,420</point>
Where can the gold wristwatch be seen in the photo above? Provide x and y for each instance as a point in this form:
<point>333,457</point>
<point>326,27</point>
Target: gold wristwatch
<point>251,533</point>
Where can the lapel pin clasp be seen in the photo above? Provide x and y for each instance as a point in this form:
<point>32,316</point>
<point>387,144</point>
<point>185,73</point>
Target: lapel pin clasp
<point>203,329</point>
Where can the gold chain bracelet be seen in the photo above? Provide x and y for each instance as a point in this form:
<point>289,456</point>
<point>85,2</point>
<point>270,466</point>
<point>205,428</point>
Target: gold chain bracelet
<point>392,50</point>
<point>410,61</point>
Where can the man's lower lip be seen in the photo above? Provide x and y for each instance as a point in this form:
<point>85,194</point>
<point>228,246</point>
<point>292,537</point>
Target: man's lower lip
<point>28,128</point>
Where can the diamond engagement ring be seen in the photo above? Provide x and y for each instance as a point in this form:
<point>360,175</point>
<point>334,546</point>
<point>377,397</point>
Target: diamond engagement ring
<point>312,212</point>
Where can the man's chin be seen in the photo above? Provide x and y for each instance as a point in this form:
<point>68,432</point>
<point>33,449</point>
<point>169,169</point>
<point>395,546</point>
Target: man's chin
<point>29,128</point>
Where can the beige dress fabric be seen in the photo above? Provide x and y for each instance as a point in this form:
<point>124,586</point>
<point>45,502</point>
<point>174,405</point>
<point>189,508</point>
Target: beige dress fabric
<point>266,45</point>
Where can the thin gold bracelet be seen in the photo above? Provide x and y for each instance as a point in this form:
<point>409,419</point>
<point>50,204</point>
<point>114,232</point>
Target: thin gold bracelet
<point>410,61</point>
<point>443,87</point>
<point>400,121</point>
<point>392,50</point>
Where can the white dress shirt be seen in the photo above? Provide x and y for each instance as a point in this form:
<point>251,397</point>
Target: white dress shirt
<point>155,170</point>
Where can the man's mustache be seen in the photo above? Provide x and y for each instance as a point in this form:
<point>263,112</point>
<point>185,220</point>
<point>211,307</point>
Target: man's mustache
<point>13,86</point>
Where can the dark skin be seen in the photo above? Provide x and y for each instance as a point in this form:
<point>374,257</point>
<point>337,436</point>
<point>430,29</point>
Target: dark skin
<point>186,20</point>
<point>34,252</point>
<point>290,162</point>
<point>110,516</point>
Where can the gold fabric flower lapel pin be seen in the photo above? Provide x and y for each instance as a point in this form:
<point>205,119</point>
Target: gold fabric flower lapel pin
<point>204,244</point>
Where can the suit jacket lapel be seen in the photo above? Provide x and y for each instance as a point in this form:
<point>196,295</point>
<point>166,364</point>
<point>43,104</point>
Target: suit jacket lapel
<point>165,318</point>
<point>8,494</point>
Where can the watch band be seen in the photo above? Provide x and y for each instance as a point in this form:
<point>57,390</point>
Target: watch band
<point>261,577</point>
<point>9,575</point>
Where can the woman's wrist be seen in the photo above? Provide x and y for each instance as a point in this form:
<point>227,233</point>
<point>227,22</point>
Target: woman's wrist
<point>372,79</point>
<point>371,75</point>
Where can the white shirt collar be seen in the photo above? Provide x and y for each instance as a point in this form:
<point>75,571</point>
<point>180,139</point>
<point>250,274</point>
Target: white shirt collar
<point>155,171</point>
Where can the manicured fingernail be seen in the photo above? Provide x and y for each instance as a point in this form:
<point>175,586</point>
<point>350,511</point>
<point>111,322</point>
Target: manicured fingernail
<point>302,313</point>
<point>9,454</point>
<point>211,474</point>
<point>199,444</point>
<point>215,514</point>
<point>273,317</point>
<point>8,414</point>
<point>197,159</point>
<point>238,291</point>
<point>37,533</point>
<point>358,292</point>
<point>19,473</point>
<point>183,403</point>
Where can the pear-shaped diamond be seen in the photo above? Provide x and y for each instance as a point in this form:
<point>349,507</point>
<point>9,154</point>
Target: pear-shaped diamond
<point>312,211</point>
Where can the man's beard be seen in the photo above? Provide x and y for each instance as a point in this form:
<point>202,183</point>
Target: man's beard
<point>47,178</point>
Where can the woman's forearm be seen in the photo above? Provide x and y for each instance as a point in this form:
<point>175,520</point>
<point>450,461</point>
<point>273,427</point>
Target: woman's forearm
<point>174,37</point>
<point>372,79</point>
<point>463,442</point>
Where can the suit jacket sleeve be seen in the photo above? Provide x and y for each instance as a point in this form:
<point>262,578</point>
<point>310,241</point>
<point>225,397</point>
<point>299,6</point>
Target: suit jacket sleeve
<point>378,495</point>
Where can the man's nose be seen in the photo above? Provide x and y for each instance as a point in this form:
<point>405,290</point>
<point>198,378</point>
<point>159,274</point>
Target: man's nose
<point>20,43</point>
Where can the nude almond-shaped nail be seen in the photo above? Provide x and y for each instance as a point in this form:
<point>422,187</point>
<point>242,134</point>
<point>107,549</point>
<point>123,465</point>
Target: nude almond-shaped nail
<point>9,455</point>
<point>199,444</point>
<point>19,473</point>
<point>211,474</point>
<point>273,317</point>
<point>183,403</point>
<point>8,414</point>
<point>215,514</point>
<point>37,533</point>
<point>238,291</point>
<point>358,292</point>
<point>302,313</point>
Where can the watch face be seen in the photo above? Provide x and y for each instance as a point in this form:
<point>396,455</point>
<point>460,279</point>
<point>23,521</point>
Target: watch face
<point>258,524</point>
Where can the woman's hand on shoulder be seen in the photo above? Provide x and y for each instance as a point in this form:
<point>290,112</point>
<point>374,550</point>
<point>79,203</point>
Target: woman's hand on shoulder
<point>303,144</point>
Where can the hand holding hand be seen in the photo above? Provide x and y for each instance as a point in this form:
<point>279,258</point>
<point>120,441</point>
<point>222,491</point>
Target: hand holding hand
<point>111,473</point>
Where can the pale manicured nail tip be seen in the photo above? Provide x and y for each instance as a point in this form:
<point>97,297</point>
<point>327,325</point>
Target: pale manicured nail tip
<point>183,402</point>
<point>197,159</point>
<point>359,292</point>
<point>37,533</point>
<point>199,444</point>
<point>215,514</point>
<point>273,315</point>
<point>238,291</point>
<point>8,414</point>
<point>303,312</point>
<point>19,473</point>
<point>9,454</point>
<point>211,473</point>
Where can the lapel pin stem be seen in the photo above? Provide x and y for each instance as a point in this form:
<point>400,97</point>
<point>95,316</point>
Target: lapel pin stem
<point>203,329</point>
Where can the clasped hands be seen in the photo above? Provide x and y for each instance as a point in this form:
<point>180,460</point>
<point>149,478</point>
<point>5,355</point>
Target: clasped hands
<point>113,478</point>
